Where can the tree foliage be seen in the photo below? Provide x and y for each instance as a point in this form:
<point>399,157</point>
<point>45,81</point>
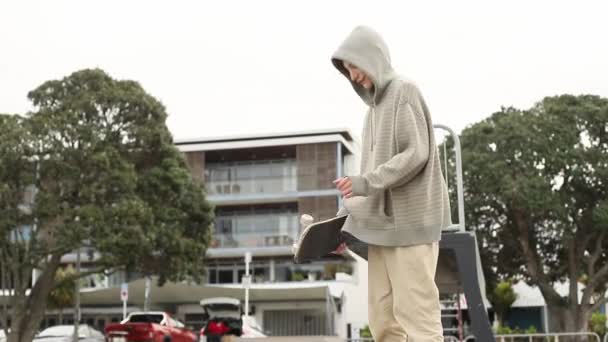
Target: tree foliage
<point>536,193</point>
<point>93,166</point>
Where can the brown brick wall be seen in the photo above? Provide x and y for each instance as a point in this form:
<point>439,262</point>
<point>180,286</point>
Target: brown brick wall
<point>196,164</point>
<point>316,169</point>
<point>321,208</point>
<point>316,165</point>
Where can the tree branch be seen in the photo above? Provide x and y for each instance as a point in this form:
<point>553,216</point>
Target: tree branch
<point>593,282</point>
<point>84,274</point>
<point>535,268</point>
<point>596,253</point>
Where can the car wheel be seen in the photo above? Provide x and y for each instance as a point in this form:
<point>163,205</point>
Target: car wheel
<point>167,339</point>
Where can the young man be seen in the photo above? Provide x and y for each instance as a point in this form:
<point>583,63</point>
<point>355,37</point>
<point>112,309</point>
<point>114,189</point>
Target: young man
<point>399,203</point>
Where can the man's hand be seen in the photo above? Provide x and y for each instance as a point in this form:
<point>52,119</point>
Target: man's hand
<point>340,250</point>
<point>345,186</point>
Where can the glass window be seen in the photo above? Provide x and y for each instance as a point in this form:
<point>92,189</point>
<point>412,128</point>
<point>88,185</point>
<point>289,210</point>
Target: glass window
<point>250,176</point>
<point>225,276</point>
<point>212,276</point>
<point>146,318</point>
<point>256,228</point>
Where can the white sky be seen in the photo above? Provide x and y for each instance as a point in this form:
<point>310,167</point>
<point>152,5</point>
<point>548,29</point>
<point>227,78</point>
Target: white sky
<point>233,67</point>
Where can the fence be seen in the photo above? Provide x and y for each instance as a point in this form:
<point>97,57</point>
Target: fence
<point>552,337</point>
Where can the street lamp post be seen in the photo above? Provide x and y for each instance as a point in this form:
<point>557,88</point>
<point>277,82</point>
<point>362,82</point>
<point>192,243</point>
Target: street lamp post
<point>247,284</point>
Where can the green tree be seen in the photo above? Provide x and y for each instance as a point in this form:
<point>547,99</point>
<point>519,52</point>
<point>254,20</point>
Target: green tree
<point>63,294</point>
<point>93,166</point>
<point>536,192</point>
<point>502,298</point>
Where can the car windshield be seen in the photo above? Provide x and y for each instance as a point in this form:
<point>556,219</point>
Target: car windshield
<point>146,318</point>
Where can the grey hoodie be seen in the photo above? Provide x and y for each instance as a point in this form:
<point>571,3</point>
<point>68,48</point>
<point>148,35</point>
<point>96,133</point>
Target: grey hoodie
<point>400,197</point>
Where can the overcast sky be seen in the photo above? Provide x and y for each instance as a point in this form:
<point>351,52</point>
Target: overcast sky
<point>233,67</point>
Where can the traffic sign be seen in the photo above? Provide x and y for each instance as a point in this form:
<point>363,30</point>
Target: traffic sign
<point>124,292</point>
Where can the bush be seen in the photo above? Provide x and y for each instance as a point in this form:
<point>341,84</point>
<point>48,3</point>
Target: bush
<point>598,323</point>
<point>506,330</point>
<point>365,332</point>
<point>503,330</point>
<point>298,276</point>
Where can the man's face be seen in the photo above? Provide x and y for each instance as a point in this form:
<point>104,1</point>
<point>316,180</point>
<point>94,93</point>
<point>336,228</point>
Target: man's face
<point>358,76</point>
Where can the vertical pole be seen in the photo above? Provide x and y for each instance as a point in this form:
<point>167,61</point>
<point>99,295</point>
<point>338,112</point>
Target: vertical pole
<point>459,182</point>
<point>339,164</point>
<point>460,332</point>
<point>124,296</point>
<point>247,282</point>
<point>328,328</point>
<point>147,295</point>
<point>76,315</point>
<point>272,275</point>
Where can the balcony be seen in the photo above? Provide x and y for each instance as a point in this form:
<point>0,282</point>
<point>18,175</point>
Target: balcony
<point>255,229</point>
<point>251,177</point>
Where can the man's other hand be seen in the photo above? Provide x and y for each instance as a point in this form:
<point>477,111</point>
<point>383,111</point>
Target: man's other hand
<point>345,185</point>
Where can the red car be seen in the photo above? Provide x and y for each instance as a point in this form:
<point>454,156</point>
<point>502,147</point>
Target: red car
<point>149,327</point>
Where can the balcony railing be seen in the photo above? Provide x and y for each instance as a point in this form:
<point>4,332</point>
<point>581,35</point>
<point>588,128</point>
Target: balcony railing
<point>251,177</point>
<point>252,186</point>
<point>270,230</point>
<point>254,240</point>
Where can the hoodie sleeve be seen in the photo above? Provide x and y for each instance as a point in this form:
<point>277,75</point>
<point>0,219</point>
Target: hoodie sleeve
<point>405,165</point>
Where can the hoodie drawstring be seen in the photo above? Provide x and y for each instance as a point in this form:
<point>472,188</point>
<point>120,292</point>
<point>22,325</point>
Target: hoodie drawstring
<point>373,124</point>
<point>372,118</point>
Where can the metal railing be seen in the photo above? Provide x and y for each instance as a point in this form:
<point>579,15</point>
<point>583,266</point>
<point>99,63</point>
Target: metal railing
<point>553,337</point>
<point>459,182</point>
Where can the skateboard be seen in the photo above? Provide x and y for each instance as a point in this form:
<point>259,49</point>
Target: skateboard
<point>319,239</point>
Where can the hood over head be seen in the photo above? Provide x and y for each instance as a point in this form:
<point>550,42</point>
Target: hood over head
<point>365,49</point>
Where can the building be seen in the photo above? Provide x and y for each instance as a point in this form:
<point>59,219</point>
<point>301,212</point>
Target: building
<point>260,185</point>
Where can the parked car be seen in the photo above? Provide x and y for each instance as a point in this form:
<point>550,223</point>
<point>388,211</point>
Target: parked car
<point>224,317</point>
<point>64,333</point>
<point>149,326</point>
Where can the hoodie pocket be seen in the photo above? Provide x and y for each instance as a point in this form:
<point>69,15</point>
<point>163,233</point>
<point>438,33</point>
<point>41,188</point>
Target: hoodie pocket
<point>388,203</point>
<point>372,212</point>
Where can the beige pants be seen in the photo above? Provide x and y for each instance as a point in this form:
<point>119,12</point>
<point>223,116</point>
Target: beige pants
<point>403,297</point>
